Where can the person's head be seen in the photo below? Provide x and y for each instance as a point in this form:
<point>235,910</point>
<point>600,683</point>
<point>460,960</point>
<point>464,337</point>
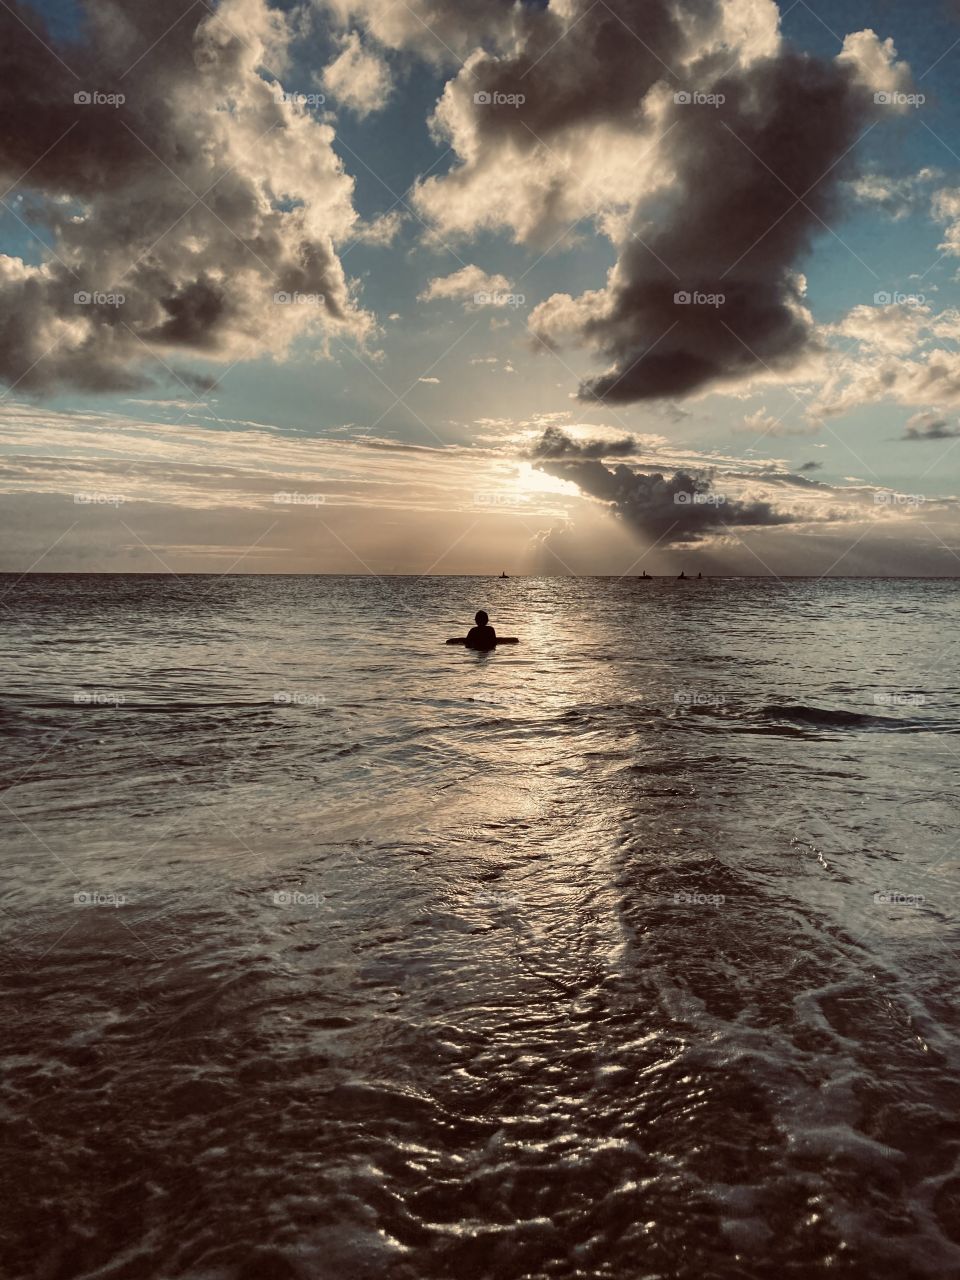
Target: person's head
<point>481,619</point>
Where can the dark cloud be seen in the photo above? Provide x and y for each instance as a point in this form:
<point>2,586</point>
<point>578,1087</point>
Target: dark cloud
<point>555,443</point>
<point>752,180</point>
<point>929,426</point>
<point>194,201</point>
<point>731,229</point>
<point>683,507</point>
<point>811,466</point>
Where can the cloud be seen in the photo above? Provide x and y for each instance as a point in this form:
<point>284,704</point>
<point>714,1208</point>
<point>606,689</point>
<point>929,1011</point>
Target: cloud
<point>555,443</point>
<point>762,423</point>
<point>899,356</point>
<point>470,285</point>
<point>358,78</point>
<point>720,200</point>
<point>929,426</point>
<point>810,466</point>
<point>896,197</point>
<point>196,201</point>
<point>680,508</point>
<point>440,31</point>
<point>945,208</point>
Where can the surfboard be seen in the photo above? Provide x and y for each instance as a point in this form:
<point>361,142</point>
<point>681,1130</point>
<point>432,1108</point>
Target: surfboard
<point>500,640</point>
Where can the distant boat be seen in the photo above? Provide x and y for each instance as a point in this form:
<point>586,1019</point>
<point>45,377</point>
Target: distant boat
<point>504,575</point>
<point>681,574</point>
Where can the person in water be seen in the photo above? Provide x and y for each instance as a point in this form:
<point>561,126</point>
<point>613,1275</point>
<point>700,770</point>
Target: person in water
<point>482,636</point>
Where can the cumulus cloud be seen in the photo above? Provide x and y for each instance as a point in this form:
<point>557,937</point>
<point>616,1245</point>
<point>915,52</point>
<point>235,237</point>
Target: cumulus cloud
<point>198,200</point>
<point>895,196</point>
<point>904,353</point>
<point>470,285</point>
<point>718,199</point>
<point>358,78</point>
<point>762,423</point>
<point>946,209</point>
<point>555,443</point>
<point>929,426</point>
<point>441,31</point>
<point>669,509</point>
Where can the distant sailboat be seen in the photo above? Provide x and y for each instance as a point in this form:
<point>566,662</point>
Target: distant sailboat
<point>504,575</point>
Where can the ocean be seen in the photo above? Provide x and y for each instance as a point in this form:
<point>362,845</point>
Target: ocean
<point>331,951</point>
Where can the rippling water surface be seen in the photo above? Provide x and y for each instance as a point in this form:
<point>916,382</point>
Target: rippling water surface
<point>330,951</point>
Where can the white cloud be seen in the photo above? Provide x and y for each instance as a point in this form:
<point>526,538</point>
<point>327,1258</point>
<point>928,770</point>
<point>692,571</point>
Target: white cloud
<point>470,284</point>
<point>358,78</point>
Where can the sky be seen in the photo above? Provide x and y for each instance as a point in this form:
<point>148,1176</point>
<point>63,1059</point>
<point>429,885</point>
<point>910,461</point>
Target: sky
<point>463,286</point>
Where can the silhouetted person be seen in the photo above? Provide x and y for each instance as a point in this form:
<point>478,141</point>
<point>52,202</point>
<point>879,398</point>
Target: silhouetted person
<point>482,636</point>
<point>699,575</point>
